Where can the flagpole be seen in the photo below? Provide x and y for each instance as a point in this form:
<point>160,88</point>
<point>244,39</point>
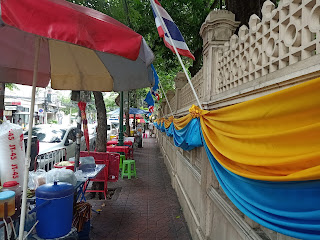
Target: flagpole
<point>161,111</point>
<point>166,98</point>
<point>176,51</point>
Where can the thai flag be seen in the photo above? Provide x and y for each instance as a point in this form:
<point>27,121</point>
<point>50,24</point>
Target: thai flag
<point>174,31</point>
<point>151,109</point>
<point>154,89</point>
<point>156,79</point>
<point>149,100</point>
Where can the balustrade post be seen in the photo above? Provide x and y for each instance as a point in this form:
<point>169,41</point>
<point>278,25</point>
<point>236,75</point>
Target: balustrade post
<point>217,30</point>
<point>180,81</point>
<point>170,94</point>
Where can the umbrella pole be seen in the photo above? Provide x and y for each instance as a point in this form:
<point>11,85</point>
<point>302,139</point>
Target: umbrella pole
<point>120,141</point>
<point>78,142</point>
<point>27,162</point>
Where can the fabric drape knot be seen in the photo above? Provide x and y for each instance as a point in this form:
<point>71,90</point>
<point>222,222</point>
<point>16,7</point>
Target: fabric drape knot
<point>196,112</point>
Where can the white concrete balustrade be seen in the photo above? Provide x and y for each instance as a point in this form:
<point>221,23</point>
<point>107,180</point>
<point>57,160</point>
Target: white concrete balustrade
<point>275,52</point>
<point>284,36</point>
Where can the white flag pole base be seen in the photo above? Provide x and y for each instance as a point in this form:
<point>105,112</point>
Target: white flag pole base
<point>27,163</point>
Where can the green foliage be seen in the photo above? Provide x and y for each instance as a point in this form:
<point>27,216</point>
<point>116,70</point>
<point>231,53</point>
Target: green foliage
<point>137,14</point>
<point>11,86</point>
<point>53,122</point>
<point>110,101</point>
<point>70,106</point>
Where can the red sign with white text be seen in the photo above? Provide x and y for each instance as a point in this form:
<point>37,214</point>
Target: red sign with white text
<point>16,103</point>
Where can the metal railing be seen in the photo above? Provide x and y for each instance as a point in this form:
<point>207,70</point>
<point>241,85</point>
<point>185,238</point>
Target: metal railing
<point>46,160</point>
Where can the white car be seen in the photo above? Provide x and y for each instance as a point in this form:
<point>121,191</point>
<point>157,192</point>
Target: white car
<point>54,137</point>
<point>112,130</point>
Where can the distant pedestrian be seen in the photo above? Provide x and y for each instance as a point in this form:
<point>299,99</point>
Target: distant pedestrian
<point>151,128</point>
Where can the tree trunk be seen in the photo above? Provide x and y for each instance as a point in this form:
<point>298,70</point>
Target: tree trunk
<point>127,112</point>
<point>2,89</point>
<point>101,142</point>
<point>196,66</point>
<point>136,106</point>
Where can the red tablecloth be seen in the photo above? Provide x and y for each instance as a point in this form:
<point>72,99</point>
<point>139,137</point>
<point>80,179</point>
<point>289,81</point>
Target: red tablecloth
<point>115,142</point>
<point>125,149</point>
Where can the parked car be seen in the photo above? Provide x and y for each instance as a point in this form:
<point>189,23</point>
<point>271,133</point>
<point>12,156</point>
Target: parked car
<point>54,137</point>
<point>112,130</point>
<point>92,129</point>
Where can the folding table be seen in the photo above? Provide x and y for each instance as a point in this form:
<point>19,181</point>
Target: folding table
<point>84,178</point>
<point>125,149</point>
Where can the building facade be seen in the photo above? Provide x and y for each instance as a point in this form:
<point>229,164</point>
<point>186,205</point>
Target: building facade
<point>17,104</point>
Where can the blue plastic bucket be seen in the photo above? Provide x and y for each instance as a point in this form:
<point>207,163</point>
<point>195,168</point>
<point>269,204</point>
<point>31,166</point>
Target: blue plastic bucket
<point>54,206</point>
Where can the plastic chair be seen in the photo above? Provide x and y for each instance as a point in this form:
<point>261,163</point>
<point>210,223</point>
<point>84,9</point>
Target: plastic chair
<point>114,162</point>
<point>122,158</point>
<point>129,169</point>
<point>99,158</point>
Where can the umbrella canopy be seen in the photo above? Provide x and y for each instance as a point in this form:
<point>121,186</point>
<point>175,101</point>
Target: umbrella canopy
<point>81,49</point>
<point>141,121</point>
<point>77,48</point>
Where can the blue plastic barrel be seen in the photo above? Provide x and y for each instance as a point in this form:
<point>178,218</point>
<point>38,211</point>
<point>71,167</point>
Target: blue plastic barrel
<point>54,206</point>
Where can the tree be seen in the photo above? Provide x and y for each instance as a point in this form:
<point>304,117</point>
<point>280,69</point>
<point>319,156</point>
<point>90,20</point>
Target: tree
<point>110,101</point>
<point>3,87</point>
<point>188,15</point>
<point>137,14</point>
<point>102,120</point>
<point>70,107</point>
<point>243,9</point>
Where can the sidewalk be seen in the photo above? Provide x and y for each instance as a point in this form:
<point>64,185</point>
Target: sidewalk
<point>143,208</point>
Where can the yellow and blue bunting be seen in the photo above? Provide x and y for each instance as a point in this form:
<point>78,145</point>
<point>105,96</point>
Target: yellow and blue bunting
<point>266,155</point>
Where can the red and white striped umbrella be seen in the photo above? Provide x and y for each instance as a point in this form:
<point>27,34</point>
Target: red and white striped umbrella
<point>81,49</point>
<point>77,48</point>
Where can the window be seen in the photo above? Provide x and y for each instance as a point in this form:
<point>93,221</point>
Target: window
<point>72,135</point>
<point>48,135</point>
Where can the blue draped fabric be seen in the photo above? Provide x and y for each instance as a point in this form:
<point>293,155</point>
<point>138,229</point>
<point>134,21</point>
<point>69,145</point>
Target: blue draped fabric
<point>131,111</point>
<point>189,137</point>
<point>291,208</point>
<point>169,130</point>
<point>162,127</point>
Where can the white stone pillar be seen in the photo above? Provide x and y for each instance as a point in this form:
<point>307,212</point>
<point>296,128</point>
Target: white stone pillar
<point>180,81</point>
<point>217,29</point>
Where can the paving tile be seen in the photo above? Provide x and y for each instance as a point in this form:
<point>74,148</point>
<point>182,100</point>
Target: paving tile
<point>142,208</point>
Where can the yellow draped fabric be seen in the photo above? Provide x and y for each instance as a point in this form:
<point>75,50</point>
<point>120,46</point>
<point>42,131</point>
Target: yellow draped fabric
<point>160,121</point>
<point>180,123</point>
<point>167,122</point>
<point>274,138</point>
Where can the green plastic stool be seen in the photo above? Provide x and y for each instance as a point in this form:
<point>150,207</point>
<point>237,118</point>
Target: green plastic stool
<point>127,170</point>
<point>122,157</point>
